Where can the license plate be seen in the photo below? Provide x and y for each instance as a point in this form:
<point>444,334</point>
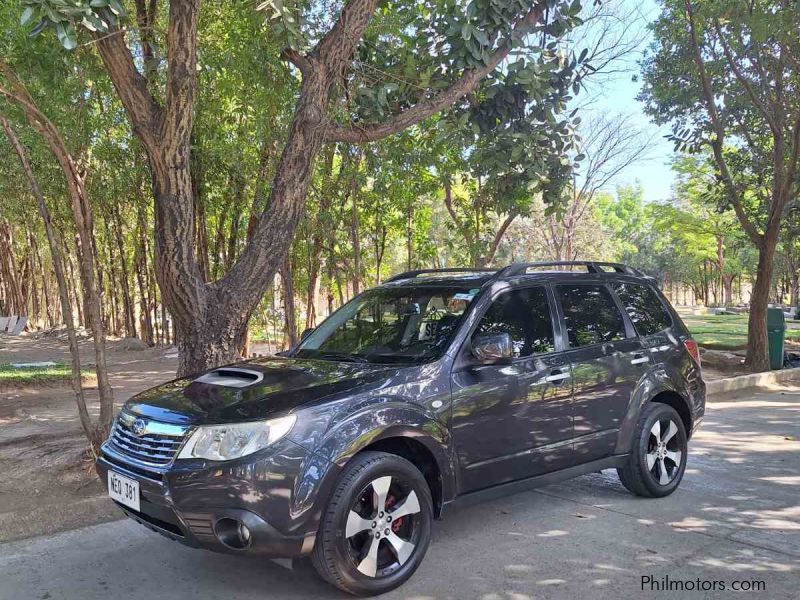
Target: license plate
<point>124,490</point>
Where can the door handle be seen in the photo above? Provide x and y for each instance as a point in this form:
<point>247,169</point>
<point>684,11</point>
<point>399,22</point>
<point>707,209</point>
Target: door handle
<point>660,349</point>
<point>639,359</point>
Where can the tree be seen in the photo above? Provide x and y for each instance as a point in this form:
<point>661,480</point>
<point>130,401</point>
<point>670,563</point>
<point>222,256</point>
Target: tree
<point>95,433</point>
<point>726,74</point>
<point>608,146</point>
<point>699,211</point>
<point>211,317</point>
<point>15,92</point>
<point>790,243</point>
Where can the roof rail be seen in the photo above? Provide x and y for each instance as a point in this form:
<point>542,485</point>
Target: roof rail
<point>591,267</point>
<point>418,272</point>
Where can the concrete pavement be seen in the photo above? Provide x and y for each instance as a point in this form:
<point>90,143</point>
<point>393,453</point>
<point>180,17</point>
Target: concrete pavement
<point>735,518</point>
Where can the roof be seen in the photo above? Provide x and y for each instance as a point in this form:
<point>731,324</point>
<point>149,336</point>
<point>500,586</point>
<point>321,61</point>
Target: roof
<point>480,277</point>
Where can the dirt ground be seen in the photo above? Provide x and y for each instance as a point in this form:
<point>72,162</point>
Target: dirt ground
<point>47,483</point>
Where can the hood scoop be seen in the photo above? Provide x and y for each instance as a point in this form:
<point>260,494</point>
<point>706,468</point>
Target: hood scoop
<point>231,377</point>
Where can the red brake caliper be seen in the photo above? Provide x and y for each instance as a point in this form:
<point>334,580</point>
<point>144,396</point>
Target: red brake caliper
<point>396,525</point>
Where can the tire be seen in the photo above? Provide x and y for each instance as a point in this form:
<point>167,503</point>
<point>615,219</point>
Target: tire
<point>369,560</point>
<point>655,469</point>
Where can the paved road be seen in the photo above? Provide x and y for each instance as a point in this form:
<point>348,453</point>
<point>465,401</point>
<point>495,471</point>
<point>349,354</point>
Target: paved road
<point>736,517</point>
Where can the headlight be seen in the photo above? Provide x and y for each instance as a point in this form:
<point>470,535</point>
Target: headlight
<point>225,442</point>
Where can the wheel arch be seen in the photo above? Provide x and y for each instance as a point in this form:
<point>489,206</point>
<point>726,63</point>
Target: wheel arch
<point>401,429</point>
<point>418,454</point>
<point>679,403</point>
<point>657,386</point>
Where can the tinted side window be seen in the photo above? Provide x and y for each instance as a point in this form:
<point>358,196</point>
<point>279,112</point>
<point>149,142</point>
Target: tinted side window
<point>524,315</point>
<point>644,307</point>
<point>590,315</point>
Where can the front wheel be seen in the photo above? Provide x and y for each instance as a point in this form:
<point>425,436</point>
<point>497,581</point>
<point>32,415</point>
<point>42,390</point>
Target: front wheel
<point>377,527</point>
<point>658,454</point>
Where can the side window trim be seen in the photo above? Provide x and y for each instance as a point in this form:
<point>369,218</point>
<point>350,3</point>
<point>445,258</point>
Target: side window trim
<point>665,308</point>
<point>625,319</point>
<point>630,328</point>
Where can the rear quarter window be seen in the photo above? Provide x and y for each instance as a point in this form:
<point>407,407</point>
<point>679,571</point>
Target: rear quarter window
<point>644,307</point>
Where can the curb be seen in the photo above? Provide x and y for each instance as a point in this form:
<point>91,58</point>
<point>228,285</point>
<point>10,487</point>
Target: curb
<point>753,380</point>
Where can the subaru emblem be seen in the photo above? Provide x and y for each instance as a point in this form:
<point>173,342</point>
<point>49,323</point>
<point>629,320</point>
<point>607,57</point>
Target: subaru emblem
<point>139,427</point>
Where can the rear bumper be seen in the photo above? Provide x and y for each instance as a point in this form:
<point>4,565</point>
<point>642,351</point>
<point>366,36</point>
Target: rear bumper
<point>268,495</point>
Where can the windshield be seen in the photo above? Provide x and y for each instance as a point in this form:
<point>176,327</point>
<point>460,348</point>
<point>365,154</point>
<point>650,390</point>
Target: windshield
<point>390,325</point>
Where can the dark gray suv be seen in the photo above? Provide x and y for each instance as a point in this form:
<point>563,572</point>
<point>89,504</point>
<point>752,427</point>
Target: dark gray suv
<point>436,388</point>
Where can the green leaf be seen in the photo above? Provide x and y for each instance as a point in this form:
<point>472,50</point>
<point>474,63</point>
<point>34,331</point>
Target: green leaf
<point>482,38</point>
<point>27,15</point>
<point>116,8</point>
<point>43,23</point>
<point>66,35</point>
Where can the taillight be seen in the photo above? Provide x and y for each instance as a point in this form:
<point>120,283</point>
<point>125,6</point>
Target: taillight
<point>693,350</point>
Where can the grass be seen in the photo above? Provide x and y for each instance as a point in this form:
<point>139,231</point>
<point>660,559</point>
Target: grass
<point>728,332</point>
<point>35,376</point>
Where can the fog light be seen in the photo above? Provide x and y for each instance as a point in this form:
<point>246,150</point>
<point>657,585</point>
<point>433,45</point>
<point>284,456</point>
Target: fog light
<point>244,534</point>
<point>233,533</point>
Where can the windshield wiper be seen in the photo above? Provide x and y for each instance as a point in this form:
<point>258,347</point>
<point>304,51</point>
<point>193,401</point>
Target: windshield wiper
<point>342,357</point>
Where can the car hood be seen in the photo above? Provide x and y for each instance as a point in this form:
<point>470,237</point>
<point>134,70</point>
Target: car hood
<point>286,384</point>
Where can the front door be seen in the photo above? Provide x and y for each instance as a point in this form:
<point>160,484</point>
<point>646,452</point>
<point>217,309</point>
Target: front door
<point>607,362</point>
<point>513,421</point>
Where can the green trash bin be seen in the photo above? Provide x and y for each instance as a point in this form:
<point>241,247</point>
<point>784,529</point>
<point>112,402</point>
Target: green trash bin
<point>776,332</point>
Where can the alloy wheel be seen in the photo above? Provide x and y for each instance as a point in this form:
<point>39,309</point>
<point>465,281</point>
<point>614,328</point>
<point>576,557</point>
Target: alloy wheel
<point>381,529</point>
<point>664,453</point>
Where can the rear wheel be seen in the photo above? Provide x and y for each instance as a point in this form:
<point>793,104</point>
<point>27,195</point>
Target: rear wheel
<point>658,454</point>
<point>377,527</point>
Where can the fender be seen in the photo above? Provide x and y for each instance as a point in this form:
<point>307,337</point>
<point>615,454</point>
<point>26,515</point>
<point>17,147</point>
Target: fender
<point>385,419</point>
<point>660,378</point>
<point>377,420</point>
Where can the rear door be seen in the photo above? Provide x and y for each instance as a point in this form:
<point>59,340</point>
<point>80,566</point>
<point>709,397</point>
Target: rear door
<point>515,420</point>
<point>607,359</point>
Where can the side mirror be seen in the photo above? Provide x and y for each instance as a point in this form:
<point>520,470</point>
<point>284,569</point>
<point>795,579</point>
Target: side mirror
<point>493,348</point>
<point>306,333</point>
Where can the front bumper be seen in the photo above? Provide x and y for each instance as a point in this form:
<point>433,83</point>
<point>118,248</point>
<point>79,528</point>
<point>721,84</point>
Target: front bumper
<point>277,496</point>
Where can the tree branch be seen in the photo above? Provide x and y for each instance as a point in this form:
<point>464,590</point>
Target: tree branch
<point>719,131</point>
<point>335,50</point>
<point>498,237</point>
<point>355,133</point>
<point>726,49</point>
<point>143,110</point>
<point>297,59</point>
<point>181,73</point>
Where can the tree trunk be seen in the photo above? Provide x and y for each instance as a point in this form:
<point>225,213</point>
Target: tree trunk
<point>15,303</point>
<point>757,347</point>
<point>727,284</point>
<point>312,291</point>
<point>289,309</point>
<point>355,237</point>
<point>130,320</point>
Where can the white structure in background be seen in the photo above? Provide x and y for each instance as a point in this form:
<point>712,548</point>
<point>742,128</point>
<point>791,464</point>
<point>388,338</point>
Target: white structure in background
<point>13,324</point>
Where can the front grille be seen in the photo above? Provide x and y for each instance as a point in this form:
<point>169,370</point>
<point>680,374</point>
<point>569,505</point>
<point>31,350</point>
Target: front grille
<point>157,445</point>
